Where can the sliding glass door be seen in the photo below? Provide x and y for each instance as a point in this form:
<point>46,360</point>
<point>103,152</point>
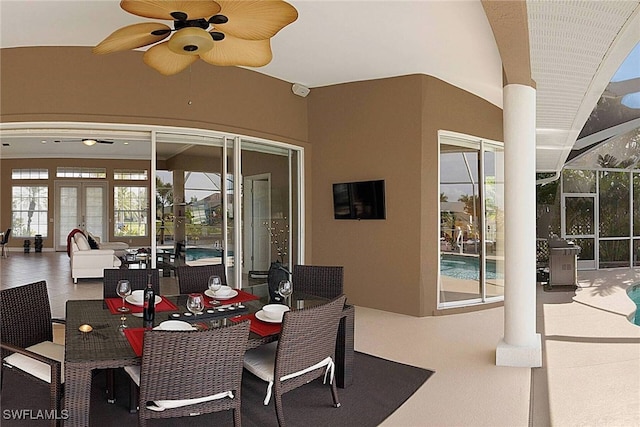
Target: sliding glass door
<point>471,221</point>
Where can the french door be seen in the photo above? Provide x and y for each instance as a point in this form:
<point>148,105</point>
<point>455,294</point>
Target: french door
<point>83,205</point>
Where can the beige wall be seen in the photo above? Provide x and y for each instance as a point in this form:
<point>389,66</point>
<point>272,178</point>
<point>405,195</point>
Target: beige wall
<point>382,129</point>
<point>387,129</point>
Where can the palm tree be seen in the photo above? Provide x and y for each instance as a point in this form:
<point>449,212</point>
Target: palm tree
<point>164,198</point>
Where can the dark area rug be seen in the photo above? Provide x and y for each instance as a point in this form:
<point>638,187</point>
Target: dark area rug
<point>379,387</point>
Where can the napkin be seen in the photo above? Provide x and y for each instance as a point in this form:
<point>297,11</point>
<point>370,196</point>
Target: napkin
<point>135,336</point>
<point>241,297</point>
<point>114,303</point>
<point>259,327</point>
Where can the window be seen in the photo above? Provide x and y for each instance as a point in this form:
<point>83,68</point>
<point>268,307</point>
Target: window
<point>29,173</point>
<point>130,206</point>
<point>73,172</point>
<point>29,210</point>
<point>130,174</point>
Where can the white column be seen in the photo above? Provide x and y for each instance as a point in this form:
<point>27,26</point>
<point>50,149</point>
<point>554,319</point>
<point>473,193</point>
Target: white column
<point>521,345</point>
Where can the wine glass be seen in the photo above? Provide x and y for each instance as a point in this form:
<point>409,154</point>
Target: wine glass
<point>215,283</point>
<point>285,288</point>
<point>195,303</point>
<point>123,289</point>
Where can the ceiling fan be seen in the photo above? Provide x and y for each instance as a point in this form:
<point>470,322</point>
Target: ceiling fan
<point>86,141</point>
<point>221,32</point>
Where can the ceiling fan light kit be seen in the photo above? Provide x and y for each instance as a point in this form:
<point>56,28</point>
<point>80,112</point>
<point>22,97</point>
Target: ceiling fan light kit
<point>224,32</point>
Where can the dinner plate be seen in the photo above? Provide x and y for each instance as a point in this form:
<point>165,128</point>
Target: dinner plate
<point>261,316</point>
<point>174,325</point>
<point>209,293</point>
<point>132,300</point>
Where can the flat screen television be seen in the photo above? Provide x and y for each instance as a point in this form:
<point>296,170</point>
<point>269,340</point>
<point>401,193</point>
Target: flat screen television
<point>359,200</point>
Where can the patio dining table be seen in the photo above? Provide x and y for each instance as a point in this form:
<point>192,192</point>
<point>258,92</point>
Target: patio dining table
<point>107,347</point>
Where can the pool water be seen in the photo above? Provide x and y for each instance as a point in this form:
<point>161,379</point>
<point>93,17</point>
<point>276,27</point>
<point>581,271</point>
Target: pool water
<point>466,267</point>
<point>634,294</point>
<point>199,253</point>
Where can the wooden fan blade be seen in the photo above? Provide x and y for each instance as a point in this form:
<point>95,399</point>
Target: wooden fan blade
<point>235,51</point>
<point>255,19</point>
<point>163,60</point>
<point>132,36</point>
<point>163,9</point>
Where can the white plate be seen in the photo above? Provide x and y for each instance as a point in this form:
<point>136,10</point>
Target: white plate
<point>174,325</point>
<point>261,316</point>
<point>132,300</point>
<point>209,293</point>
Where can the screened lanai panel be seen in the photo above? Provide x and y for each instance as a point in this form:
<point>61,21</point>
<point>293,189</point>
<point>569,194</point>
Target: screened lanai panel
<point>614,204</point>
<point>636,204</point>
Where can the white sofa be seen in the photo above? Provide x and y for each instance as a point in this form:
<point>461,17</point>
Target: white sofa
<point>120,248</point>
<point>87,262</point>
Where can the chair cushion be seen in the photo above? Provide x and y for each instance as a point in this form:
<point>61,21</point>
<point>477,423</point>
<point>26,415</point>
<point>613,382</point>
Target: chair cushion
<point>35,367</point>
<point>82,242</point>
<point>161,405</point>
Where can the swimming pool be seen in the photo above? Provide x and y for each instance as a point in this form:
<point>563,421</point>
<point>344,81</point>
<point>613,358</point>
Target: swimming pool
<point>634,294</point>
<point>193,254</point>
<point>466,267</point>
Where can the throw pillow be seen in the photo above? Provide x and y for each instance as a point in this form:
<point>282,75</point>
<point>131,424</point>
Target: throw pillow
<point>82,242</point>
<point>92,242</point>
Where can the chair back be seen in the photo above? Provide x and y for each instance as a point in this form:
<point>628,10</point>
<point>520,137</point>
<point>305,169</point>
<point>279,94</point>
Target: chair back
<point>138,278</point>
<point>308,336</point>
<point>192,364</point>
<point>5,238</point>
<point>322,281</point>
<point>25,315</point>
<point>196,278</point>
<point>180,253</point>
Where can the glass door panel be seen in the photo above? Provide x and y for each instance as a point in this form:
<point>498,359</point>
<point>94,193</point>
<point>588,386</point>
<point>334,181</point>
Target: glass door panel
<point>80,205</point>
<point>494,220</point>
<point>579,225</point>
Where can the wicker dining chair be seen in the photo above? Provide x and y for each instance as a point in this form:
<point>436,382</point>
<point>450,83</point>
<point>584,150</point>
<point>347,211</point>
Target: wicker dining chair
<point>175,380</point>
<point>323,281</point>
<point>196,278</point>
<point>303,352</point>
<point>27,342</point>
<point>138,278</point>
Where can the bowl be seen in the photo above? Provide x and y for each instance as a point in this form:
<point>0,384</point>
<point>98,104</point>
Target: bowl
<point>274,311</point>
<point>224,291</point>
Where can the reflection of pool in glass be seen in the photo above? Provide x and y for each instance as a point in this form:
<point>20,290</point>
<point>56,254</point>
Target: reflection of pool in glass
<point>194,254</point>
<point>466,267</point>
<point>634,294</point>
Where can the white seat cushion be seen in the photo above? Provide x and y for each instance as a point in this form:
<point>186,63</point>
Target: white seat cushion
<point>161,405</point>
<point>261,362</point>
<point>36,368</point>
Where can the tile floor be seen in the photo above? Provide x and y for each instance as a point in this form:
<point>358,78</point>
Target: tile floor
<point>591,372</point>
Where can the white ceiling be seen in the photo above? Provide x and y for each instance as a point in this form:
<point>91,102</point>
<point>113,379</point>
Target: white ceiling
<point>575,47</point>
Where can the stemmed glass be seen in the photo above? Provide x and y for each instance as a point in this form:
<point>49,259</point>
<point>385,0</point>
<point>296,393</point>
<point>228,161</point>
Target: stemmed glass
<point>285,288</point>
<point>215,283</point>
<point>195,303</point>
<point>123,289</point>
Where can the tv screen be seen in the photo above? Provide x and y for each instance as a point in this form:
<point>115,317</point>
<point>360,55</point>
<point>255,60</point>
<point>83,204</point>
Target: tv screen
<point>359,200</point>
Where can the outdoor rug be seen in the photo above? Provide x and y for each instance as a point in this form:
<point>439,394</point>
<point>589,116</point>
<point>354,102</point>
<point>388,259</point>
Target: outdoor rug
<point>379,387</point>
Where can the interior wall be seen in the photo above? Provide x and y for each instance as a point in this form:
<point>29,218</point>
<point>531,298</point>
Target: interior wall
<point>51,165</point>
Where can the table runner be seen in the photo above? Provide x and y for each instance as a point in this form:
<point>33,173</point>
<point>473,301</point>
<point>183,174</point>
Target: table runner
<point>114,303</point>
<point>241,297</point>
<point>135,336</point>
<point>259,327</point>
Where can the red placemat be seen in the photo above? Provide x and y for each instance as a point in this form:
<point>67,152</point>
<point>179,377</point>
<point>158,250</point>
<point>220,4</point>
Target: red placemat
<point>241,297</point>
<point>135,336</point>
<point>259,327</point>
<point>115,303</point>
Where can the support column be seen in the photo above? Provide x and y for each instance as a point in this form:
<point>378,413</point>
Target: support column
<point>521,345</point>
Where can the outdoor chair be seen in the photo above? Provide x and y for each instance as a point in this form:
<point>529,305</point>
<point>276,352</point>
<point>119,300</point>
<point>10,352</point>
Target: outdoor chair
<point>196,278</point>
<point>322,281</point>
<point>303,353</point>
<point>138,278</point>
<point>27,345</point>
<point>3,243</point>
<point>187,373</point>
